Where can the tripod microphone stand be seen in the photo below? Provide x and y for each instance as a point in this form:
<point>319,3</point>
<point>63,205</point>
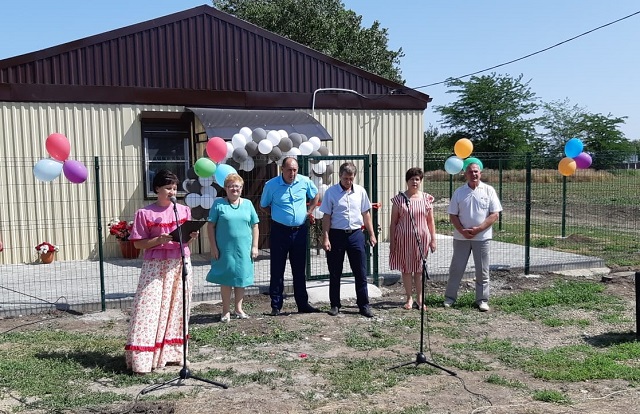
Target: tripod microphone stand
<point>185,373</point>
<point>420,356</point>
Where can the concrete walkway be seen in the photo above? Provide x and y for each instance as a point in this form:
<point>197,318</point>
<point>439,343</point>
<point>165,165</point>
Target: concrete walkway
<point>30,288</point>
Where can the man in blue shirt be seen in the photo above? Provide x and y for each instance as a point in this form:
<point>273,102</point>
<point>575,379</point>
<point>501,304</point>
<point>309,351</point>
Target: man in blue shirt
<point>286,196</point>
<point>346,207</point>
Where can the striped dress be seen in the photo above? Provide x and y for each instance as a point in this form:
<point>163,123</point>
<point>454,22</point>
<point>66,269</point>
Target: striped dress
<point>406,255</point>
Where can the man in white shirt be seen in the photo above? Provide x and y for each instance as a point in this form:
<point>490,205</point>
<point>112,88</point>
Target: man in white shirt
<point>473,209</point>
<point>347,208</point>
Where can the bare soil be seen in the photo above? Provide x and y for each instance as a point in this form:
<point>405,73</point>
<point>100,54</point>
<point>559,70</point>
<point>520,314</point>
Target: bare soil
<point>434,391</point>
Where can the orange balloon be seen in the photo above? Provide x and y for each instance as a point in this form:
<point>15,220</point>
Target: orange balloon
<point>567,166</point>
<point>463,148</point>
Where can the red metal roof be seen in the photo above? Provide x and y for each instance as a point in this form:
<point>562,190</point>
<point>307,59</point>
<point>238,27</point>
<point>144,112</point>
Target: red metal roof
<point>199,56</point>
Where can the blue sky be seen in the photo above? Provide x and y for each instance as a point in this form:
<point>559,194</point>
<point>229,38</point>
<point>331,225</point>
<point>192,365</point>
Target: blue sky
<point>440,39</point>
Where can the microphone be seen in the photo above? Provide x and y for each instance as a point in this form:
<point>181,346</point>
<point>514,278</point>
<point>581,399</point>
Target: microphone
<point>173,201</point>
<point>406,199</point>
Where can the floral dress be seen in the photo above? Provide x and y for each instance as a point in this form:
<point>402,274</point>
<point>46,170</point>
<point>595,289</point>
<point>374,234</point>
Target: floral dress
<point>155,336</point>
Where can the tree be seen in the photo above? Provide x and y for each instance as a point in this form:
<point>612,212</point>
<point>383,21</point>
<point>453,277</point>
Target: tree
<point>560,121</point>
<point>599,134</point>
<point>604,141</point>
<point>494,111</point>
<point>326,26</point>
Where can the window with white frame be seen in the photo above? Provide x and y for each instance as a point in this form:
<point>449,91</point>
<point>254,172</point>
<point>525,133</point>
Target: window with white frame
<point>166,146</point>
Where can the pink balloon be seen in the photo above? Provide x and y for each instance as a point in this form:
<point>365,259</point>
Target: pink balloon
<point>583,160</point>
<point>75,171</point>
<point>217,149</point>
<point>58,146</point>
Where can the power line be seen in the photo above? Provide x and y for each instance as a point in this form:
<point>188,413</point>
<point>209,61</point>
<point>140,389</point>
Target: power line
<point>532,54</point>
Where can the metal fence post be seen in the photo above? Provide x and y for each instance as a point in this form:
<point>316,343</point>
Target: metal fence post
<point>564,205</point>
<point>374,195</point>
<point>637,280</point>
<point>527,222</point>
<point>96,167</point>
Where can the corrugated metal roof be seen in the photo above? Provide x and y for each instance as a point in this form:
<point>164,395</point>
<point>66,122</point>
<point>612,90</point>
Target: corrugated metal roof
<point>199,57</point>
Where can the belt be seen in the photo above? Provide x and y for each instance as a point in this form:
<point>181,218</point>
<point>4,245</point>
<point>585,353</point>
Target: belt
<point>290,228</point>
<point>348,231</point>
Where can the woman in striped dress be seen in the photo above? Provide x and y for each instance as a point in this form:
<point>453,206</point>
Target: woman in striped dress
<point>405,253</point>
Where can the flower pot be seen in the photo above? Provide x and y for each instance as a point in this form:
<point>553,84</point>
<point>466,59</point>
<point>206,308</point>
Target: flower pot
<point>128,250</point>
<point>46,258</point>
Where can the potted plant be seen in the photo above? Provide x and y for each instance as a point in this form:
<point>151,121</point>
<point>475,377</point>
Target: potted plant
<point>46,251</point>
<point>122,230</point>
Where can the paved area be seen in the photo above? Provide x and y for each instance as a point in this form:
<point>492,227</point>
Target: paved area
<point>77,285</point>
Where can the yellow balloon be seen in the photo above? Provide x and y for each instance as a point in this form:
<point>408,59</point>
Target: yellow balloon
<point>463,148</point>
<point>567,166</point>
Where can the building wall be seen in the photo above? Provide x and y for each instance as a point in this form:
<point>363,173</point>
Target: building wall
<point>65,214</point>
<point>60,212</point>
<point>396,136</point>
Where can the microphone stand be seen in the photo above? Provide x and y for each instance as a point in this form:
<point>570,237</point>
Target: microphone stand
<point>420,356</point>
<point>185,373</point>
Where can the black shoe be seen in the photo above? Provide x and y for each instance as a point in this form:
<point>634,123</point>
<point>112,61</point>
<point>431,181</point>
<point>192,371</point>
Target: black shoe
<point>366,311</point>
<point>334,311</point>
<point>308,309</point>
<point>274,312</point>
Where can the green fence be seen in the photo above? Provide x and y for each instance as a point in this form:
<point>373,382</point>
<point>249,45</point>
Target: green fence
<point>593,213</point>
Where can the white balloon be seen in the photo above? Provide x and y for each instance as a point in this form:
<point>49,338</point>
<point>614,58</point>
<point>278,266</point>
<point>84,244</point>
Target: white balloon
<point>192,200</point>
<point>283,133</point>
<point>246,131</point>
<point>206,201</point>
<point>238,141</point>
<point>329,162</point>
<point>247,164</point>
<point>274,136</point>
<point>205,181</point>
<point>294,152</point>
<point>322,189</point>
<point>230,149</point>
<point>306,148</point>
<point>315,141</point>
<point>317,180</point>
<point>210,191</point>
<point>265,146</point>
<point>319,168</point>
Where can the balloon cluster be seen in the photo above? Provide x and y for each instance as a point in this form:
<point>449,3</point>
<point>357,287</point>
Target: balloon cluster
<point>246,150</point>
<point>575,158</point>
<point>48,169</point>
<point>459,162</point>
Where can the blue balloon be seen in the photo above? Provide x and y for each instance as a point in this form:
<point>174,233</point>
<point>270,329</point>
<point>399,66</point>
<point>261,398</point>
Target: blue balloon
<point>573,147</point>
<point>453,165</point>
<point>222,171</point>
<point>47,169</point>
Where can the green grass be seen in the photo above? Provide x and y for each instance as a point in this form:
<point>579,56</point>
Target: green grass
<point>498,380</point>
<point>52,370</point>
<point>551,396</point>
<point>372,338</point>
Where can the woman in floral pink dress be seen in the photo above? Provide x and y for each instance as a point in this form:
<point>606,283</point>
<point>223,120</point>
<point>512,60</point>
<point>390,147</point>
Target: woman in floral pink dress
<point>405,254</point>
<point>155,336</point>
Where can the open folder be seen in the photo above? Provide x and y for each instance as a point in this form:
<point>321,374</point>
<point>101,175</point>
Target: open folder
<point>187,228</point>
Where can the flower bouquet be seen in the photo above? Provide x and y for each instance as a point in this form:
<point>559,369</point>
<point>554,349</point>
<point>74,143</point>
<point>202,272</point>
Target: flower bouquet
<point>121,229</point>
<point>46,251</point>
<point>46,247</point>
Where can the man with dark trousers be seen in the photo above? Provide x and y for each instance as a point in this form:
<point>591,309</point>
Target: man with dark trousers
<point>286,197</point>
<point>346,207</point>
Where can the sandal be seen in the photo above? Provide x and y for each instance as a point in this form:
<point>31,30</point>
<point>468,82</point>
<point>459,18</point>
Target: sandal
<point>408,305</point>
<point>241,315</point>
<point>226,318</point>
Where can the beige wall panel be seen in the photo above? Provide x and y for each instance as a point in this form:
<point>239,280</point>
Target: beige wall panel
<point>397,138</point>
<point>60,212</point>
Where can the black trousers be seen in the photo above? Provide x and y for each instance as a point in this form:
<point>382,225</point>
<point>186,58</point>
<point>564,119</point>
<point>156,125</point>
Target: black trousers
<point>351,243</point>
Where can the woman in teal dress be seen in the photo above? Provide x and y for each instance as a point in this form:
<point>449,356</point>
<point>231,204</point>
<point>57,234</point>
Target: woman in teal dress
<point>233,236</point>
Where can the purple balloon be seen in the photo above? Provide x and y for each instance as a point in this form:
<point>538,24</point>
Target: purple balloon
<point>75,171</point>
<point>583,160</point>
